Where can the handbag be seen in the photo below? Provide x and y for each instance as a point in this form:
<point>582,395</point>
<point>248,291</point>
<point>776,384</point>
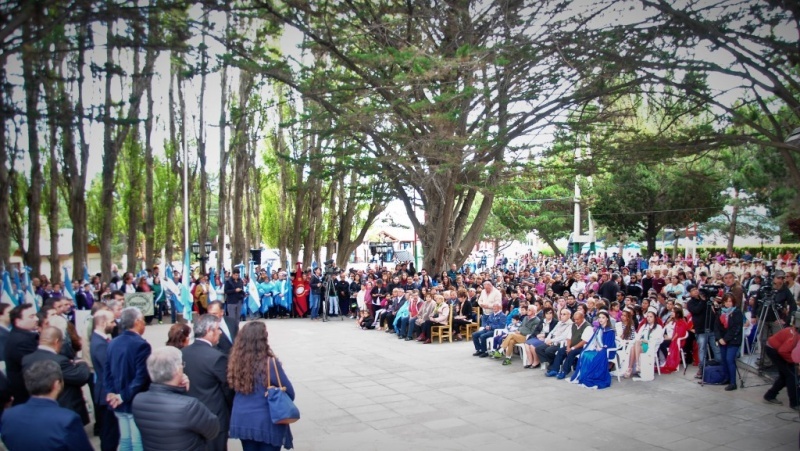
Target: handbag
<point>282,409</point>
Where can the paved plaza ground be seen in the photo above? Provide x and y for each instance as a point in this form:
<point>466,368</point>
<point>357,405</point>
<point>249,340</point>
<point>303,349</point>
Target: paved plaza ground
<point>367,390</point>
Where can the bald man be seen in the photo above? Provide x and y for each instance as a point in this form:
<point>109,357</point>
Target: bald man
<point>580,334</point>
<point>76,373</point>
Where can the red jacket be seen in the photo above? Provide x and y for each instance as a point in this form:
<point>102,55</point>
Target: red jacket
<point>784,342</point>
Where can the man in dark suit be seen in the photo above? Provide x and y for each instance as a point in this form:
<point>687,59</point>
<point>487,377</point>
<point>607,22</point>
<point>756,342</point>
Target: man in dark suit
<point>126,374</point>
<point>5,327</point>
<point>109,430</point>
<point>74,375</point>
<point>234,294</point>
<point>228,327</point>
<point>22,427</point>
<point>22,341</point>
<point>206,368</point>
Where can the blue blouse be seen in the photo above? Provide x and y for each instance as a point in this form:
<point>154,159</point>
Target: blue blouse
<point>250,419</point>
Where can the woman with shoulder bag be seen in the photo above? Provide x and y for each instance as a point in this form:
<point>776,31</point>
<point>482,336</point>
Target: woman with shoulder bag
<point>728,331</point>
<point>252,369</point>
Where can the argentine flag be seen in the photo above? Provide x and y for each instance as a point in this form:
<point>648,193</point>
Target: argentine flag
<point>8,295</point>
<point>186,297</point>
<point>253,298</point>
<point>30,296</point>
<point>68,291</point>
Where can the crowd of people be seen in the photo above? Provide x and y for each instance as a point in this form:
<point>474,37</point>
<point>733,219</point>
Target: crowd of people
<point>206,385</point>
<point>583,319</point>
<point>589,317</point>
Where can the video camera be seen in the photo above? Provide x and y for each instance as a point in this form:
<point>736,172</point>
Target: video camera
<point>710,291</point>
<point>331,269</point>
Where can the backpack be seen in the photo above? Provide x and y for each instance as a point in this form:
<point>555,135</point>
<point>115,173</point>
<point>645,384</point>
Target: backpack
<point>714,373</point>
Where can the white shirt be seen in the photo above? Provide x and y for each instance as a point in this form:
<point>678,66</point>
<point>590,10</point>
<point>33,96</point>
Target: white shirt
<point>490,299</point>
<point>223,326</point>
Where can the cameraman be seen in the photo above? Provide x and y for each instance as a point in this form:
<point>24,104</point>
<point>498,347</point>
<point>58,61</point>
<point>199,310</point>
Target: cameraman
<point>703,319</point>
<point>317,286</point>
<point>784,305</point>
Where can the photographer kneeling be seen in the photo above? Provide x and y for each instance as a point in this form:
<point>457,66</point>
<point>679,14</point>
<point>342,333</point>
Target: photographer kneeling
<point>703,319</point>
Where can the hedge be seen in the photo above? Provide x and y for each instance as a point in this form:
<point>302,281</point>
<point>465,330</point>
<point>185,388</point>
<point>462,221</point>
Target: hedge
<point>703,251</point>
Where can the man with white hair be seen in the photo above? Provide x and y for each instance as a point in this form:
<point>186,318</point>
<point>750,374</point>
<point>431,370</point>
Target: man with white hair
<point>489,297</point>
<point>168,418</point>
<point>207,366</point>
<point>126,374</point>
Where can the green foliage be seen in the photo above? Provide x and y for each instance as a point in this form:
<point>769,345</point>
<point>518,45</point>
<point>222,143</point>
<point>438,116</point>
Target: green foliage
<point>649,197</point>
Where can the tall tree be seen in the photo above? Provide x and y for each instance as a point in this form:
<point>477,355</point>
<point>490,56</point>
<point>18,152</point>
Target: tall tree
<point>31,58</point>
<point>649,197</point>
<point>440,94</point>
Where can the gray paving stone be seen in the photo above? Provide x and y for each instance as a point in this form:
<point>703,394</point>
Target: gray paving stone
<point>362,390</point>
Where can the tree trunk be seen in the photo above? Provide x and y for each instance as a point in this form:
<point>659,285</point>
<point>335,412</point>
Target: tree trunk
<point>184,157</point>
<point>222,201</point>
<point>201,151</point>
<point>112,146</point>
<point>33,256</point>
<point>52,187</point>
<point>150,215</point>
<point>134,193</point>
<point>240,163</point>
<point>173,160</point>
<point>5,221</point>
<point>650,234</point>
<point>109,159</point>
<point>75,170</point>
<point>550,242</point>
<point>734,217</point>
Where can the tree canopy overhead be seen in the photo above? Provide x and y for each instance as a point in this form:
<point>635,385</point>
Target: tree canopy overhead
<point>441,95</point>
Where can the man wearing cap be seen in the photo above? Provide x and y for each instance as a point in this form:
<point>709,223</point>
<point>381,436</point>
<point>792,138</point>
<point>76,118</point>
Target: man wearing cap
<point>234,295</point>
<point>783,303</point>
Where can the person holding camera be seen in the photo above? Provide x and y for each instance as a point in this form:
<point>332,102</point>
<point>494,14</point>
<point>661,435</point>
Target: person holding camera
<point>729,336</point>
<point>784,307</point>
<point>703,317</point>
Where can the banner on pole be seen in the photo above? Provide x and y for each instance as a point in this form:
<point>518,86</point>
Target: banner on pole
<point>142,301</point>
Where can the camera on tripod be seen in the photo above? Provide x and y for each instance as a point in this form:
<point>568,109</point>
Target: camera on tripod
<point>710,291</point>
<point>331,269</point>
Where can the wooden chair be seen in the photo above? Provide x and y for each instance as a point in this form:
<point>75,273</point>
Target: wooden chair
<point>445,331</point>
<point>471,328</point>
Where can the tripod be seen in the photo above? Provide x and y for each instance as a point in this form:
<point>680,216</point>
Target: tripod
<point>326,298</point>
<point>708,329</point>
<point>767,307</point>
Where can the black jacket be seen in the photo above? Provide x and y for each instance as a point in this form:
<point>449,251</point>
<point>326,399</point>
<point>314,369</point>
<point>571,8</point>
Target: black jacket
<point>20,343</point>
<point>169,419</point>
<point>76,375</point>
<point>224,344</point>
<point>231,295</point>
<point>699,309</point>
<point>207,370</point>
<point>733,333</point>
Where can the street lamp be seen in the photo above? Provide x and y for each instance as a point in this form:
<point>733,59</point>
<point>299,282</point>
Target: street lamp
<point>201,257</point>
<point>793,138</point>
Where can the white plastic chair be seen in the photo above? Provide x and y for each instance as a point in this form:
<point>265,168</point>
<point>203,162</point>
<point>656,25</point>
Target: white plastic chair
<point>521,348</point>
<point>490,342</point>
<point>680,341</point>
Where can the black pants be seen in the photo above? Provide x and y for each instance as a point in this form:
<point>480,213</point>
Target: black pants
<point>786,378</point>
<point>109,431</point>
<point>546,353</point>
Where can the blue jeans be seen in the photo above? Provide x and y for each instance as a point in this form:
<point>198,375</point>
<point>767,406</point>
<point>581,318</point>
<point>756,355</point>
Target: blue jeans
<point>729,361</point>
<point>403,329</point>
<point>313,305</point>
<point>129,437</point>
<point>702,341</point>
<point>479,339</point>
<point>564,360</point>
<point>333,305</point>
<point>173,309</point>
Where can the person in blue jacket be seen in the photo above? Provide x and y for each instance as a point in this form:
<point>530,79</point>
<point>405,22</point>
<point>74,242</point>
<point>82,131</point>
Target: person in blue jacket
<point>252,368</point>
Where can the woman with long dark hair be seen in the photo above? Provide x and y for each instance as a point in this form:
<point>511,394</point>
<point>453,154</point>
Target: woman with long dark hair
<point>251,364</point>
